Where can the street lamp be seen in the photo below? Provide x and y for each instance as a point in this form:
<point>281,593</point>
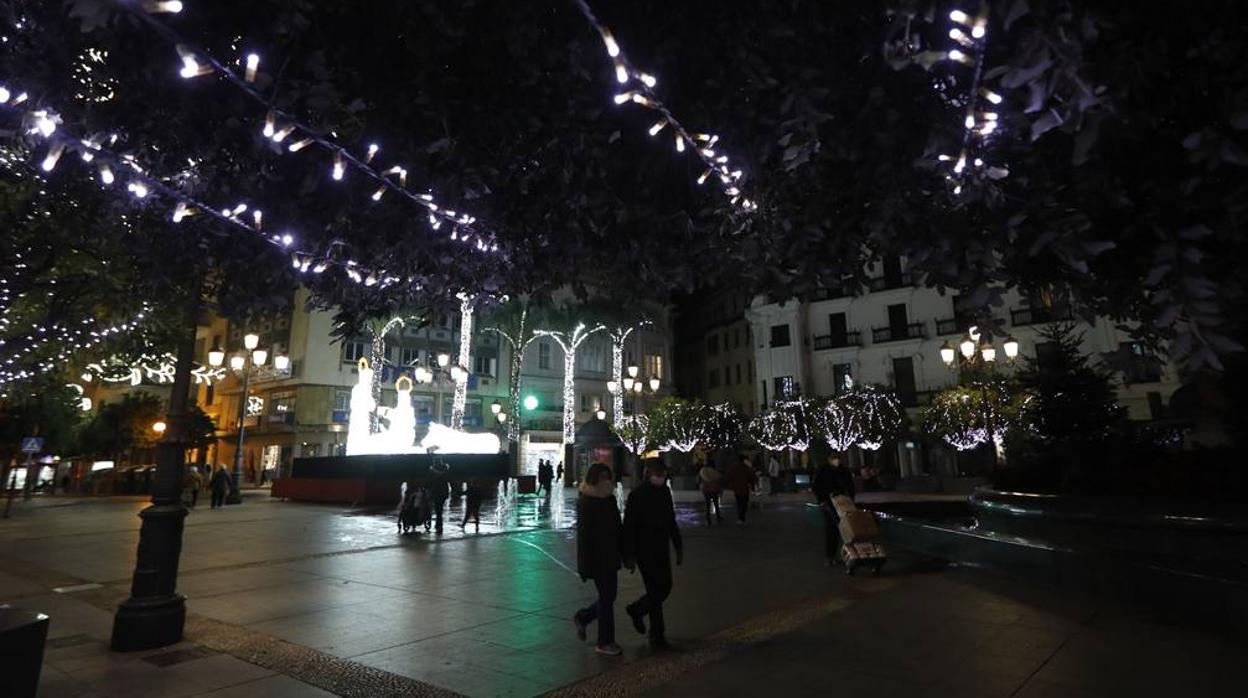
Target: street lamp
<point>632,373</point>
<point>444,359</point>
<point>501,417</point>
<point>216,357</point>
<point>159,426</point>
<point>612,386</point>
<point>458,373</point>
<point>243,363</point>
<point>601,414</point>
<point>654,384</point>
<point>974,349</point>
<point>1011,348</point>
<point>497,408</point>
<point>628,383</point>
<point>947,353</point>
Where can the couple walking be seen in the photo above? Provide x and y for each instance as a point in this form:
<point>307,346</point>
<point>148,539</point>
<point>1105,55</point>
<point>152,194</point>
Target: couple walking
<point>643,541</point>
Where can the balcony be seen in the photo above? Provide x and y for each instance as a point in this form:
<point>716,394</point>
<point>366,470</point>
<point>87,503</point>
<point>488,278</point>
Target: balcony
<point>951,326</point>
<point>827,341</point>
<point>914,330</point>
<point>827,294</point>
<point>1034,316</point>
<point>891,281</point>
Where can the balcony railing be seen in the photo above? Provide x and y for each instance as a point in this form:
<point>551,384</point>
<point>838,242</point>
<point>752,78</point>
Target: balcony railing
<point>884,283</point>
<point>827,341</point>
<point>952,326</point>
<point>914,330</point>
<point>1034,316</point>
<point>827,294</point>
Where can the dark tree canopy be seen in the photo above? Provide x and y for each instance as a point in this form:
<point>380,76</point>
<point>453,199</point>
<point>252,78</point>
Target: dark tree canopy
<point>1122,129</point>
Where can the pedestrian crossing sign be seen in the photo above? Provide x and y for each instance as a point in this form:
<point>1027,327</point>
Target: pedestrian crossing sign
<point>32,444</point>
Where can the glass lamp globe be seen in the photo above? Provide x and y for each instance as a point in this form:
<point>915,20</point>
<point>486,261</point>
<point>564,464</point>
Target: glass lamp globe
<point>281,362</point>
<point>989,352</point>
<point>612,386</point>
<point>632,372</point>
<point>968,347</point>
<point>259,356</point>
<point>1011,348</point>
<point>601,415</point>
<point>947,353</point>
<point>444,359</point>
<point>216,357</point>
<point>237,362</point>
<point>628,384</point>
<point>496,407</point>
<point>251,340</point>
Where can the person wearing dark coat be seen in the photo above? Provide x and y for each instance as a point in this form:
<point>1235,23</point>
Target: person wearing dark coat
<point>220,485</point>
<point>598,545</point>
<point>472,503</point>
<point>649,529</point>
<point>545,474</point>
<point>741,479</point>
<point>439,490</point>
<point>832,480</point>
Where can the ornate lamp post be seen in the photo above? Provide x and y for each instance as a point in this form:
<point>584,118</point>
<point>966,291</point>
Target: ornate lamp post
<point>977,350</point>
<point>634,386</point>
<point>243,364</point>
<point>439,373</point>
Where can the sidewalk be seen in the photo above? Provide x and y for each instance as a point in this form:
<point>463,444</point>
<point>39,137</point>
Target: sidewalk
<point>291,600</point>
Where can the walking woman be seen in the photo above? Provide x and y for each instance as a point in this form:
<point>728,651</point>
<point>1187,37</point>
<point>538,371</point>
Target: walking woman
<point>598,554</point>
<point>741,479</point>
<point>712,485</point>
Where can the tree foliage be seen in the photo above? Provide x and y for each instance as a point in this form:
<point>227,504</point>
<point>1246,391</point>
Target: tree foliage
<point>678,424</point>
<point>1073,401</point>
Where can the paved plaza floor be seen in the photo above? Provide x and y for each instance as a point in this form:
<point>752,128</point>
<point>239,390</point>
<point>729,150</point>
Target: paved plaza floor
<point>289,599</point>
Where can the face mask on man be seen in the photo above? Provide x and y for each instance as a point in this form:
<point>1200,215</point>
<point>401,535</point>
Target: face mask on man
<point>657,480</point>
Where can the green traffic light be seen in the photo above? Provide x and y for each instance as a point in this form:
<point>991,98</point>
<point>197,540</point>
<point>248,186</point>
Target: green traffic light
<point>530,402</point>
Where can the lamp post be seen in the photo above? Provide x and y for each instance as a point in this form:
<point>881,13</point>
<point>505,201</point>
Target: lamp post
<point>634,386</point>
<point>977,350</point>
<point>243,363</point>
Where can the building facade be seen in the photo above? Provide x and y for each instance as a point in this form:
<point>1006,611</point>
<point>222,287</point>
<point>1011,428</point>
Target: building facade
<point>303,411</point>
<point>892,335</point>
<point>716,351</point>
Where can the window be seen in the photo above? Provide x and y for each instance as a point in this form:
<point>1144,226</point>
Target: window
<point>409,356</point>
<point>592,357</point>
<point>543,355</point>
<point>780,335</point>
<point>712,378</point>
<point>838,329</point>
<point>712,345</point>
<point>485,365</point>
<point>1156,409</point>
<point>654,366</point>
<point>749,365</point>
<point>892,271</point>
<point>898,321</point>
<point>341,408</point>
<point>903,380</point>
<point>841,375</point>
<point>1047,355</point>
<point>423,405</point>
<point>1140,366</point>
<point>736,337</point>
<point>737,381</point>
<point>786,387</point>
<point>354,350</point>
<point>591,402</point>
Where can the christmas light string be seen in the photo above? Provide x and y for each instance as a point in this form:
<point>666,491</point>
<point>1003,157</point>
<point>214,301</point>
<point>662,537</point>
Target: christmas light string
<point>111,166</point>
<point>640,90</point>
<point>282,127</point>
<point>980,120</point>
<point>80,337</point>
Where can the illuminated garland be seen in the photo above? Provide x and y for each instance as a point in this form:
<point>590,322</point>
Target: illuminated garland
<point>570,342</point>
<point>773,429</point>
<point>723,426</point>
<point>640,90</point>
<point>799,414</point>
<point>464,360</point>
<point>966,417</point>
<point>832,421</point>
<point>143,186</point>
<point>875,414</point>
<point>80,338</point>
<point>281,126</point>
<point>679,424</point>
<point>519,342</point>
<point>156,369</point>
<point>980,119</point>
<point>634,433</point>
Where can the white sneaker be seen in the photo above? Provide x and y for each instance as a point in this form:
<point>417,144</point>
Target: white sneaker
<point>611,650</point>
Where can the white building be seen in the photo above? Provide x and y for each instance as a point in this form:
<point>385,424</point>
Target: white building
<point>892,334</point>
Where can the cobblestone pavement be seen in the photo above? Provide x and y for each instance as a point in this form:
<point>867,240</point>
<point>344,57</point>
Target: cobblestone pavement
<point>292,599</point>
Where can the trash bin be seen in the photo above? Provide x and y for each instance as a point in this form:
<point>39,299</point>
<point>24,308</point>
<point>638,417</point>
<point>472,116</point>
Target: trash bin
<point>526,484</point>
<point>22,635</point>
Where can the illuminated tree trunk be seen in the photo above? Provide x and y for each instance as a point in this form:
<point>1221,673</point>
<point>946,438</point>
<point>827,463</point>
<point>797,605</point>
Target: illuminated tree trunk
<point>617,374</point>
<point>464,359</point>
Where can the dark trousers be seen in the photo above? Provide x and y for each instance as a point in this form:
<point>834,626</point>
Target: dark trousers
<point>544,485</point>
<point>712,500</point>
<point>743,504</point>
<point>194,496</point>
<point>472,513</point>
<point>657,577</point>
<point>439,507</point>
<point>831,532</point>
<point>602,610</point>
<point>218,498</point>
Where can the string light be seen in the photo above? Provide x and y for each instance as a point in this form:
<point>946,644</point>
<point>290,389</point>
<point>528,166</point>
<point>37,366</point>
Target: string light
<point>570,342</point>
<point>977,123</point>
<point>342,157</point>
<point>253,63</point>
<point>644,96</point>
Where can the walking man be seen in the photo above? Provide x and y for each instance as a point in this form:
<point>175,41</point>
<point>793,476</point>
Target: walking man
<point>193,483</point>
<point>598,545</point>
<point>741,479</point>
<point>439,490</point>
<point>649,528</point>
<point>543,477</point>
<point>220,485</point>
<point>831,480</point>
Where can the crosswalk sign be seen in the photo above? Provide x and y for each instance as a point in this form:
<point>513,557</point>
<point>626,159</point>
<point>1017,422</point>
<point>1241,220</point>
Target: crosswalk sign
<point>32,444</point>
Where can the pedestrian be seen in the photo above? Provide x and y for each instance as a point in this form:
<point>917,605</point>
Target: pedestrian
<point>649,529</point>
<point>439,491</point>
<point>472,503</point>
<point>741,479</point>
<point>220,485</point>
<point>773,475</point>
<point>711,482</point>
<point>544,476</point>
<point>193,483</point>
<point>598,547</point>
<point>831,480</point>
<point>559,474</point>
